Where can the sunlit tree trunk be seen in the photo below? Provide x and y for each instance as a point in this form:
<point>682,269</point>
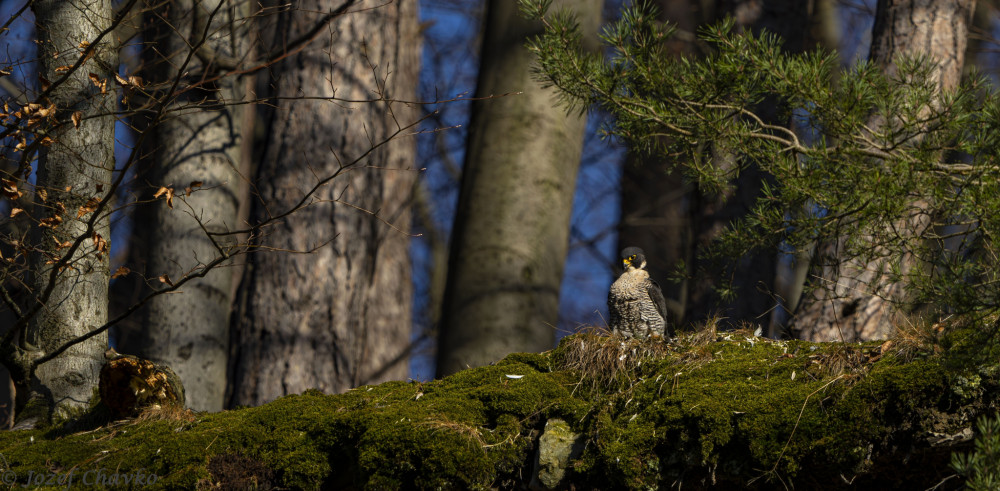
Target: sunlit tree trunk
<point>75,169</point>
<point>511,231</point>
<point>854,298</point>
<point>327,295</point>
<point>197,146</point>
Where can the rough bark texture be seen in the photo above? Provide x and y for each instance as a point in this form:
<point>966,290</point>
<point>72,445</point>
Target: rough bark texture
<point>200,140</point>
<point>511,230</point>
<point>340,315</point>
<point>859,305</point>
<point>75,169</point>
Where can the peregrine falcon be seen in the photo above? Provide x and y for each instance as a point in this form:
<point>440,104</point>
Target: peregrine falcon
<point>635,301</point>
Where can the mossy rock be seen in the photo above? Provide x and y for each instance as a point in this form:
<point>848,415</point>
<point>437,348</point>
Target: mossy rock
<point>738,411</point>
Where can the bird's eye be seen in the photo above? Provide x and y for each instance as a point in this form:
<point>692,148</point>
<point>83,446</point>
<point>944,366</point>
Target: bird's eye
<point>632,257</point>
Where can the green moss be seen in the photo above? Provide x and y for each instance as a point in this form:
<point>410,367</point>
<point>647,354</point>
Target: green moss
<point>756,408</point>
<point>739,411</point>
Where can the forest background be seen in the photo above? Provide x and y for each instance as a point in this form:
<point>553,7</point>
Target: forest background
<point>618,197</point>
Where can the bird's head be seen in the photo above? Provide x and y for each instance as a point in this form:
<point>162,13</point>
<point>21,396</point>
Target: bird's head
<point>633,258</point>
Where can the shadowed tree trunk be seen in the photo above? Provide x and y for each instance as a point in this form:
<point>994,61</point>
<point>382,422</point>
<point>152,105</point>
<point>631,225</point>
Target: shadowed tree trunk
<point>511,230</point>
<point>327,298</point>
<point>854,298</point>
<point>673,220</point>
<point>753,275</point>
<point>199,143</point>
<point>656,200</point>
<point>75,169</point>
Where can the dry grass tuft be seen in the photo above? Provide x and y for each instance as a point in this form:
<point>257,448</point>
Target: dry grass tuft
<point>471,433</point>
<point>843,359</point>
<point>611,361</point>
<point>702,333</point>
<point>917,335</point>
<point>166,412</point>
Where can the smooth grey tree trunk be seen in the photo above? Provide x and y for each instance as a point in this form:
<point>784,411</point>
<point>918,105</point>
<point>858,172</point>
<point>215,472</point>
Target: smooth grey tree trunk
<point>76,168</point>
<point>860,303</point>
<point>511,230</point>
<point>198,141</point>
<point>326,299</point>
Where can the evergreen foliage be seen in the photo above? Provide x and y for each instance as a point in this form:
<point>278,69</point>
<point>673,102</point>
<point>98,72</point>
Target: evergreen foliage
<point>890,166</point>
<point>981,467</point>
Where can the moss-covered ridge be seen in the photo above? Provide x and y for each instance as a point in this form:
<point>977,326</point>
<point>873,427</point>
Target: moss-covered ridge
<point>733,410</point>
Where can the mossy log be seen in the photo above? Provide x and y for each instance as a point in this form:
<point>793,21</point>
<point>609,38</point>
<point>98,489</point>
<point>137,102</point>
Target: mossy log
<point>728,411</point>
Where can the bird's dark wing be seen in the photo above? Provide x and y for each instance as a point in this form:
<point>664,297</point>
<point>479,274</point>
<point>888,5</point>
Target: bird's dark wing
<point>656,295</point>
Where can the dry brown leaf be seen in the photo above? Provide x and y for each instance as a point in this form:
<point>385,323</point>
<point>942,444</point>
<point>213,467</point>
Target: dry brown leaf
<point>166,279</point>
<point>51,222</point>
<point>63,68</point>
<point>193,185</point>
<point>46,141</point>
<point>15,211</point>
<point>168,192</point>
<point>76,117</point>
<point>99,243</point>
<point>10,189</point>
<point>98,82</point>
<point>47,111</point>
<point>61,245</point>
<point>121,271</point>
<point>89,207</point>
<point>43,194</point>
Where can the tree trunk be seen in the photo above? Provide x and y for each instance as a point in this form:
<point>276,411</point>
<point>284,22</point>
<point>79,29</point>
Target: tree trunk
<point>859,304</point>
<point>511,230</point>
<point>672,220</point>
<point>656,199</point>
<point>199,142</point>
<point>72,171</point>
<point>340,315</point>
